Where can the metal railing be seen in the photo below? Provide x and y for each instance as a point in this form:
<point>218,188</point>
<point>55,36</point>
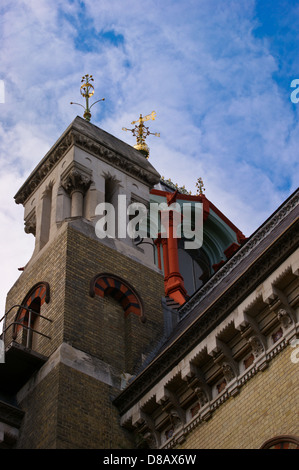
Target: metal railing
<point>27,326</point>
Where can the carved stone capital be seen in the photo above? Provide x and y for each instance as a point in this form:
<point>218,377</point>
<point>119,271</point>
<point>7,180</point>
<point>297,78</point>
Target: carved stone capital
<point>76,178</point>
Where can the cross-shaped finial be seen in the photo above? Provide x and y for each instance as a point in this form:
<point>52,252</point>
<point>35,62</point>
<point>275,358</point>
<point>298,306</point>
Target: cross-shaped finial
<point>87,90</point>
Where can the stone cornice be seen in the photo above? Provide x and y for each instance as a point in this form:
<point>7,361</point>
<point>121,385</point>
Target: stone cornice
<point>210,313</point>
<point>98,143</point>
<point>44,167</point>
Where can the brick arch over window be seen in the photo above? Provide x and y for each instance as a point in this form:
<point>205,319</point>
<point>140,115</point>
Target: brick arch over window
<point>40,291</point>
<point>282,442</point>
<point>108,284</point>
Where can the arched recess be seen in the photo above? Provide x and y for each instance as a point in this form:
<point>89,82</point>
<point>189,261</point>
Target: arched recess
<point>282,442</point>
<point>34,299</point>
<point>109,284</point>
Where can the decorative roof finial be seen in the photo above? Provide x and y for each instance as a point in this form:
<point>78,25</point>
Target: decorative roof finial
<point>141,132</point>
<point>200,186</point>
<point>87,90</point>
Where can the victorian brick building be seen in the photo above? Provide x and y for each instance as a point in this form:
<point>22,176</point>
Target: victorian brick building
<point>117,343</point>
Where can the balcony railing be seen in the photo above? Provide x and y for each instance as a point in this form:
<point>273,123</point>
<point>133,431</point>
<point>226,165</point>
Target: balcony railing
<point>22,353</point>
<point>26,324</point>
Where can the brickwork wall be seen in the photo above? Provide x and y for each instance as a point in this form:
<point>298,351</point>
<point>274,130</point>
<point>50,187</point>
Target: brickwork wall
<point>86,418</point>
<point>69,409</point>
<point>91,324</point>
<point>48,267</point>
<point>38,429</point>
<point>266,406</point>
<point>97,325</point>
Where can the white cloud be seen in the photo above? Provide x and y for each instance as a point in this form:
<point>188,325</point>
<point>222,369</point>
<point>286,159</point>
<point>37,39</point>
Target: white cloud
<point>16,247</point>
<point>220,112</point>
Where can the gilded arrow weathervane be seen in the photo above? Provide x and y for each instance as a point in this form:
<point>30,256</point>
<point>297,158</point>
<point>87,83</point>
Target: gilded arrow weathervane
<point>87,90</point>
<point>140,131</point>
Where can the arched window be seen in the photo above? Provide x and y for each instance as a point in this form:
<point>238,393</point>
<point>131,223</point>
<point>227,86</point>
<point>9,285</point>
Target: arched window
<point>108,284</point>
<point>31,320</point>
<point>120,320</point>
<point>282,442</point>
<point>28,316</point>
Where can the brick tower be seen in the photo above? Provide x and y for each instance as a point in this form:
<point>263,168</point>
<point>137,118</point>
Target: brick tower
<point>85,311</point>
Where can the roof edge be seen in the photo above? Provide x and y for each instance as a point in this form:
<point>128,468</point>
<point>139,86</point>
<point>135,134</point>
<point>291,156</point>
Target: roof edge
<point>100,144</point>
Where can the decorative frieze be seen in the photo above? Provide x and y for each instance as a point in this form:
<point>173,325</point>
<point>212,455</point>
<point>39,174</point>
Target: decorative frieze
<point>221,364</point>
<point>45,166</point>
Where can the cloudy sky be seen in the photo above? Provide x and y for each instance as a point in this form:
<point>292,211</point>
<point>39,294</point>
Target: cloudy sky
<point>218,74</point>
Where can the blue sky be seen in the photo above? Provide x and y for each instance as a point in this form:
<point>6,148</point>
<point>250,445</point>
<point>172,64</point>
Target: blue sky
<point>216,72</point>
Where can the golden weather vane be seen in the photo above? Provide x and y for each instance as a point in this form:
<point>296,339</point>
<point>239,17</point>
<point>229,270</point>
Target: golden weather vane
<point>87,90</point>
<point>141,132</point>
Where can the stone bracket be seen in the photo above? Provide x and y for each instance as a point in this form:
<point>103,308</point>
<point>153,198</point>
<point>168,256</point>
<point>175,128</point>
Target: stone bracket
<point>171,406</point>
<point>198,384</point>
<point>222,356</point>
<point>289,315</point>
